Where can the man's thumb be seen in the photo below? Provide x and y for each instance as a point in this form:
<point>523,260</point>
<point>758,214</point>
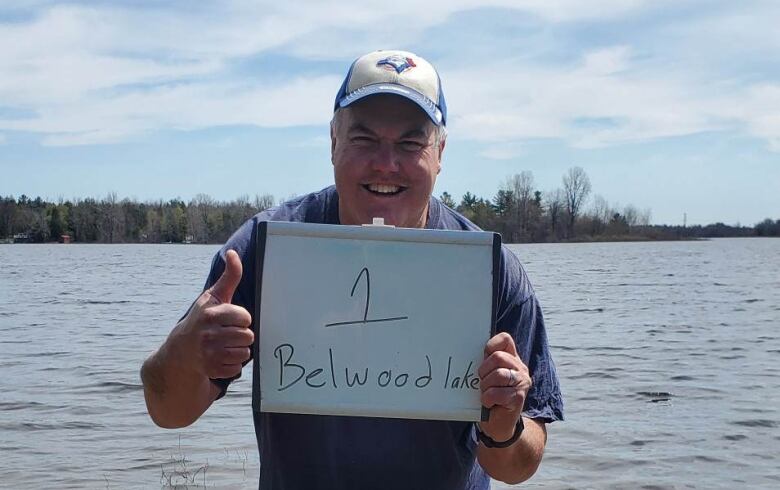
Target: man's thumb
<point>227,283</point>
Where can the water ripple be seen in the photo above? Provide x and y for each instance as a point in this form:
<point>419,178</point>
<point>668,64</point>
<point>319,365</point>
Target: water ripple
<point>766,423</point>
<point>655,396</point>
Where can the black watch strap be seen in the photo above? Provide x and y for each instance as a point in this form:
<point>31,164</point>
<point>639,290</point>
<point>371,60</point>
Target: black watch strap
<point>489,442</point>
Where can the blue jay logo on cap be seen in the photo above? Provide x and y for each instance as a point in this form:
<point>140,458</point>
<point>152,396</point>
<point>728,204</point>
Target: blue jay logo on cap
<point>395,62</point>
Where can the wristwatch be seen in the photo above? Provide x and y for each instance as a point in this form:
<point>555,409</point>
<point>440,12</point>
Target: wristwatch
<point>489,442</point>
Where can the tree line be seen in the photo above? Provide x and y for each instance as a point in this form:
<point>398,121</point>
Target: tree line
<point>110,220</point>
<point>522,213</point>
<point>519,211</point>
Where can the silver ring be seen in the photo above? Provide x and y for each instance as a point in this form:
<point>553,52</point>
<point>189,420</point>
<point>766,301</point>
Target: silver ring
<point>512,381</point>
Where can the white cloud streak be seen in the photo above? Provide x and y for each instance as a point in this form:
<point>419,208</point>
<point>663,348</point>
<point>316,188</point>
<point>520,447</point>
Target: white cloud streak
<point>606,99</point>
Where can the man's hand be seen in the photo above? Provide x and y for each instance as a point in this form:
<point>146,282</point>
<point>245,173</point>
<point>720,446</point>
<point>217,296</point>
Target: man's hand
<point>211,341</point>
<point>504,383</point>
<point>215,337</point>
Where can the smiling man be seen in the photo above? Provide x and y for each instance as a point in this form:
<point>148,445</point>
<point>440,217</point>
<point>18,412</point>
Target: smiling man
<point>387,140</point>
<point>385,167</point>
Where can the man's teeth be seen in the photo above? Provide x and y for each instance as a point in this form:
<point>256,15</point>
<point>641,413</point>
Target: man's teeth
<point>383,188</point>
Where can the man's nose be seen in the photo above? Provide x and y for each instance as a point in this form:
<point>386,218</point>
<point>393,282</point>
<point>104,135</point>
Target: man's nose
<point>386,158</point>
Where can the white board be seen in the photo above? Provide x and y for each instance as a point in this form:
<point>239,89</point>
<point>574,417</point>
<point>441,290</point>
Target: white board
<point>372,321</point>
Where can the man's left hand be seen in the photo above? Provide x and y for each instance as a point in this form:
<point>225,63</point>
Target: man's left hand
<point>504,384</point>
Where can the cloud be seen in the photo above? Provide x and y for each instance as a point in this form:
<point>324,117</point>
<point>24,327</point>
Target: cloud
<point>85,74</point>
<point>607,62</point>
<point>761,114</point>
<point>301,102</point>
<point>604,99</point>
<point>502,151</point>
<point>318,142</point>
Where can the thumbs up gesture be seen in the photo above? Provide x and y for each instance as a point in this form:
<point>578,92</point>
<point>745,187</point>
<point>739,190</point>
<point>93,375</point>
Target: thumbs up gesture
<point>215,334</point>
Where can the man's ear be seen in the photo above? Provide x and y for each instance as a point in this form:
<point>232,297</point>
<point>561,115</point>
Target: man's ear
<point>442,144</point>
<point>332,143</point>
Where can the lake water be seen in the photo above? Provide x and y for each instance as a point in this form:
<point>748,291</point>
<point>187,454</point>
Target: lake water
<point>668,355</point>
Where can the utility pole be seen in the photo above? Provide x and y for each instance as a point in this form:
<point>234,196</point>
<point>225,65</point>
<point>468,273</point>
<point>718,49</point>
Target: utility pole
<point>685,219</point>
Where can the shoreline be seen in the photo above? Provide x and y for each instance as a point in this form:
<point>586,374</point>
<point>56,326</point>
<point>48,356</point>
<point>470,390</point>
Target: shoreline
<point>616,239</point>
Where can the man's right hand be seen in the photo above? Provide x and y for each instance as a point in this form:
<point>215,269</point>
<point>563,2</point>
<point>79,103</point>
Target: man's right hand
<point>211,341</point>
<point>215,337</point>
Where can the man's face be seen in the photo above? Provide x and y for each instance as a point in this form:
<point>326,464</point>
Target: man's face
<point>385,161</point>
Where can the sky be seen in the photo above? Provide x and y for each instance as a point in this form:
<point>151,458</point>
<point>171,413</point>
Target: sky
<point>669,106</point>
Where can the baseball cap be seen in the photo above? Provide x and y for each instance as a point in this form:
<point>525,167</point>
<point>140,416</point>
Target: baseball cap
<point>395,72</point>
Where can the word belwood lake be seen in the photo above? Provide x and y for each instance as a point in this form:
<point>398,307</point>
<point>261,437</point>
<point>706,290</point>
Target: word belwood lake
<point>452,376</point>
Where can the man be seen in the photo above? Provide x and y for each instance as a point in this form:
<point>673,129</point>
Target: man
<point>387,138</point>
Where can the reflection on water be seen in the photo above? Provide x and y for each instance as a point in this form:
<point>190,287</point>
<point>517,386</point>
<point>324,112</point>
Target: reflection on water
<point>668,356</point>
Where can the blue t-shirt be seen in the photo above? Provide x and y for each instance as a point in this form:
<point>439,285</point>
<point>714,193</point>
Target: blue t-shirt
<point>320,451</point>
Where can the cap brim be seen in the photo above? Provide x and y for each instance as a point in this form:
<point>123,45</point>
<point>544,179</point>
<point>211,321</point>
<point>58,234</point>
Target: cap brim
<point>424,102</point>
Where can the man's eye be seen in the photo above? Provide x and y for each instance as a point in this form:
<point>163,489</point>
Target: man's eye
<point>362,140</point>
<point>411,145</point>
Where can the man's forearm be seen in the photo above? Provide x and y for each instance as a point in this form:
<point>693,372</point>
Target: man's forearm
<point>175,396</point>
<point>519,461</point>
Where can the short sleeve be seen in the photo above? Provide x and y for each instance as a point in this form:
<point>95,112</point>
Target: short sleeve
<point>521,316</point>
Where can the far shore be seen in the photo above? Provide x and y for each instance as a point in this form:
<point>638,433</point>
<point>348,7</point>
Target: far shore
<point>599,239</point>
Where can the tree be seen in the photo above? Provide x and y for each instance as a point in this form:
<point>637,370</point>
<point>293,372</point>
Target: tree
<point>112,223</point>
<point>152,231</point>
<point>522,186</point>
<point>644,217</point>
<point>538,198</point>
<point>536,228</point>
<point>601,214</point>
<point>263,202</point>
<point>555,206</point>
<point>198,217</point>
<point>477,210</point>
<point>483,215</point>
<point>84,220</point>
<point>57,223</point>
<point>631,214</point>
<point>504,208</point>
<point>576,187</point>
<point>467,202</point>
<point>39,233</point>
<point>503,203</point>
<point>768,228</point>
<point>446,198</point>
<point>618,225</point>
<point>174,222</point>
<point>8,211</point>
<point>134,219</point>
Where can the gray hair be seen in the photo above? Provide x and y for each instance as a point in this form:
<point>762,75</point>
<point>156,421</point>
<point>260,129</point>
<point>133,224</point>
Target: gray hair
<point>440,135</point>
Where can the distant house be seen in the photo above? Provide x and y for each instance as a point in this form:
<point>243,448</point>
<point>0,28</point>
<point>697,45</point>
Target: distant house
<point>65,239</point>
<point>21,238</point>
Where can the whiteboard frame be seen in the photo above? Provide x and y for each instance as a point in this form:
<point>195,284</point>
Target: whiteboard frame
<point>366,232</point>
